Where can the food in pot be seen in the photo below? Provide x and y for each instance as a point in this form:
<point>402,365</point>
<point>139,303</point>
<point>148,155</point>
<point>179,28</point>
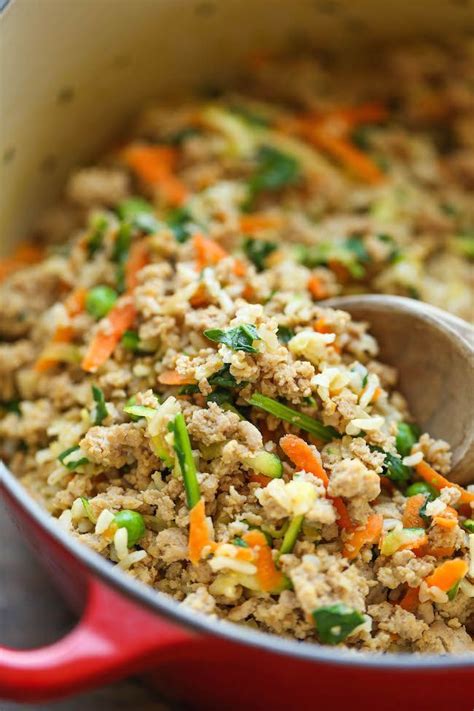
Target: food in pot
<point>175,394</point>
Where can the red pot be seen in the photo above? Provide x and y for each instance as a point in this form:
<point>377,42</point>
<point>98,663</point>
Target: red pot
<point>126,628</point>
<point>62,99</point>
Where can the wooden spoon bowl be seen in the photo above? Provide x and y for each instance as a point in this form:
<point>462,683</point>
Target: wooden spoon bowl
<point>433,353</point>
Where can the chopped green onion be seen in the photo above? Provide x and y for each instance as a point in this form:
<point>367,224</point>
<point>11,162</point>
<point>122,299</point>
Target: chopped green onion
<point>88,510</point>
<point>139,411</point>
<point>133,522</point>
<point>120,253</point>
<point>100,300</point>
<point>299,419</point>
<point>335,622</point>
<point>291,535</point>
<point>73,458</point>
<point>407,435</point>
<point>240,338</point>
<point>182,447</point>
<point>100,410</point>
<point>257,251</point>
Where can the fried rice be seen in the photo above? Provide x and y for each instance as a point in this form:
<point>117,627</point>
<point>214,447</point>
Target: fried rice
<point>174,393</point>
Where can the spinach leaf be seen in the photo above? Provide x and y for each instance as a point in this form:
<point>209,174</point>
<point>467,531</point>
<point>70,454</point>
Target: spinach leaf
<point>223,378</point>
<point>257,250</point>
<point>393,468</point>
<point>355,244</point>
<point>335,622</point>
<point>177,220</point>
<point>275,170</point>
<point>240,338</point>
<point>285,334</point>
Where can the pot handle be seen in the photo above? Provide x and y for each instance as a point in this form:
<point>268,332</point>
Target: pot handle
<point>113,638</point>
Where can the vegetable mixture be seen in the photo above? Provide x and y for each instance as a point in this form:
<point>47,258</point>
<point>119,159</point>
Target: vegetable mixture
<point>176,395</point>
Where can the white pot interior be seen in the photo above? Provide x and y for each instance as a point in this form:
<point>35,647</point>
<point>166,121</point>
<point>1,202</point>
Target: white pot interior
<point>74,71</point>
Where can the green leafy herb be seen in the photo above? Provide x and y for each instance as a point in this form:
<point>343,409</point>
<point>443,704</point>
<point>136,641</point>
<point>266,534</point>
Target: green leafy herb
<point>133,522</point>
<point>11,406</point>
<point>275,170</point>
<point>188,389</point>
<point>240,338</point>
<point>73,458</point>
<point>335,622</point>
<point>393,468</point>
<point>100,300</point>
<point>136,412</point>
<point>182,447</point>
<point>285,334</point>
<point>99,224</point>
<point>407,435</point>
<point>299,419</point>
<point>100,410</point>
<point>178,222</point>
<point>240,542</point>
<point>223,378</point>
<point>139,213</point>
<point>257,251</point>
<point>468,524</point>
<point>220,396</point>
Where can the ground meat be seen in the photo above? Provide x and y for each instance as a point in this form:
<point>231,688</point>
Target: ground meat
<point>403,567</point>
<point>97,186</point>
<point>350,478</point>
<point>112,446</point>
<point>397,621</point>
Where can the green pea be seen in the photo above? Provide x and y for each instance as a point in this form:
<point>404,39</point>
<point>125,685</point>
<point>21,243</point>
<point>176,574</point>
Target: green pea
<point>133,522</point>
<point>100,300</point>
<point>468,524</point>
<point>130,341</point>
<point>407,435</point>
<point>421,487</point>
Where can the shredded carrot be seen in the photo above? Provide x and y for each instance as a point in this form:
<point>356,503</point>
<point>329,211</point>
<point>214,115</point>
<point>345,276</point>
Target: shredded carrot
<point>109,333</point>
<point>257,222</point>
<point>76,301</point>
<point>321,326</point>
<point>369,533</point>
<point>447,574</point>
<point>351,116</point>
<point>63,334</point>
<point>342,150</point>
<point>410,600</point>
<point>260,479</point>
<point>411,514</point>
<point>239,268</point>
<point>439,482</point>
<point>198,532</point>
<point>200,297</point>
<point>268,576</point>
<point>25,255</point>
<point>172,377</point>
<point>343,520</point>
<point>317,288</point>
<point>155,165</point>
<point>303,456</point>
<point>444,522</point>
<point>138,257</point>
<point>248,292</point>
<point>208,252</point>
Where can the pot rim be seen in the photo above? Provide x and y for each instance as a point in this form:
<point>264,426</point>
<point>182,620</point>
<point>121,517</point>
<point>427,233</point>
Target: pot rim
<point>157,601</point>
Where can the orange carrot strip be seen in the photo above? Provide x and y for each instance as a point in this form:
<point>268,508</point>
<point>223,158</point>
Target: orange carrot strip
<point>198,532</point>
<point>260,479</point>
<point>341,149</point>
<point>239,268</point>
<point>317,288</point>
<point>208,252</point>
<point>76,301</point>
<point>321,326</point>
<point>172,377</point>
<point>440,482</point>
<point>448,574</point>
<point>109,333</point>
<point>343,520</point>
<point>444,522</point>
<point>155,165</point>
<point>411,514</point>
<point>370,533</point>
<point>257,222</point>
<point>138,257</point>
<point>200,297</point>
<point>303,456</point>
<point>268,576</point>
<point>410,600</point>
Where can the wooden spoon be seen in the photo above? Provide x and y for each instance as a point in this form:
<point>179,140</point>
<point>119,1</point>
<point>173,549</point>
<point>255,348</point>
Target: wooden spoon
<point>433,353</point>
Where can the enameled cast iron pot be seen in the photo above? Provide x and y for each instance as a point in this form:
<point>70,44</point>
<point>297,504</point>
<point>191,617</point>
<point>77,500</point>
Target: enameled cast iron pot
<point>72,72</point>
